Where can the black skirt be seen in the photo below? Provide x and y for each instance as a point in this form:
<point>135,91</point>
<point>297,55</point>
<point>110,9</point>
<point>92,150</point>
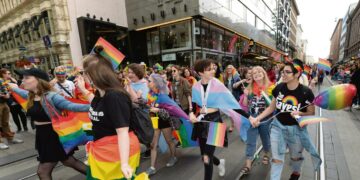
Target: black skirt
<point>201,129</point>
<point>48,145</point>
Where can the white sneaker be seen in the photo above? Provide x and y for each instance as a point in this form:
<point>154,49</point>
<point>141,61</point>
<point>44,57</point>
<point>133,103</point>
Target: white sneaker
<point>3,146</point>
<point>171,162</point>
<point>16,141</point>
<point>222,168</point>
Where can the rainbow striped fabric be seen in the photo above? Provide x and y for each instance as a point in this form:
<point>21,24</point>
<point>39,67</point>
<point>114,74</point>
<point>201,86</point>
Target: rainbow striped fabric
<point>216,135</point>
<point>324,65</point>
<point>336,97</point>
<point>73,128</point>
<point>221,98</point>
<point>19,99</point>
<point>306,120</point>
<point>104,157</point>
<point>110,52</point>
<point>185,131</point>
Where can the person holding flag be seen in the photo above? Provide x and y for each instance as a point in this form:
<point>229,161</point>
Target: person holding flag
<point>41,100</point>
<point>290,99</point>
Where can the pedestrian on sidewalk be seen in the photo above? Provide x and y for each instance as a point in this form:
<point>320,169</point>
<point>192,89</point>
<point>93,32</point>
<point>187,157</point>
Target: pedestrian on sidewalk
<point>256,97</point>
<point>290,100</point>
<point>15,108</point>
<point>41,97</point>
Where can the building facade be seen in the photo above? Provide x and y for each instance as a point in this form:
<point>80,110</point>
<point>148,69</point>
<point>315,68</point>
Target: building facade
<point>181,31</point>
<point>344,32</point>
<point>293,29</point>
<point>352,42</point>
<point>301,44</point>
<point>283,25</point>
<point>335,42</point>
<point>28,27</point>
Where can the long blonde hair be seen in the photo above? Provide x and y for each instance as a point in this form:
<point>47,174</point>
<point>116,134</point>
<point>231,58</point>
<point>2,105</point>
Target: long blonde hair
<point>266,81</point>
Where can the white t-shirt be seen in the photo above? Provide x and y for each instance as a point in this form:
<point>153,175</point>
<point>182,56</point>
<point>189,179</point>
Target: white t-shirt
<point>68,85</point>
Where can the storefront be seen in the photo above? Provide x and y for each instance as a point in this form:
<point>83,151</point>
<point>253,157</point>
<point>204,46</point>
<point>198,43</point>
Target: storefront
<point>185,41</point>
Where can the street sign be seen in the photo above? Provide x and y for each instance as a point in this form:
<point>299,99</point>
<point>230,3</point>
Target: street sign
<point>47,41</point>
<point>169,57</point>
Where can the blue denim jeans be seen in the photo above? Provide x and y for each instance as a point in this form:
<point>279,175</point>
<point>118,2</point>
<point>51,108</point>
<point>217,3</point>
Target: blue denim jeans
<point>252,135</point>
<point>282,137</point>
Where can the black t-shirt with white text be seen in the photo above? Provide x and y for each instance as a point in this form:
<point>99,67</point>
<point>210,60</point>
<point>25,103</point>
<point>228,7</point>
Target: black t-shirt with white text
<point>109,112</point>
<point>291,100</point>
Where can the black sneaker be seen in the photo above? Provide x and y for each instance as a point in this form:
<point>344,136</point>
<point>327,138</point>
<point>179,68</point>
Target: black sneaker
<point>294,176</point>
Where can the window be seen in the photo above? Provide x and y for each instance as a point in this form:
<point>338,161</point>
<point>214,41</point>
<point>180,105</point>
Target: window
<point>153,43</point>
<point>176,35</point>
<point>216,38</point>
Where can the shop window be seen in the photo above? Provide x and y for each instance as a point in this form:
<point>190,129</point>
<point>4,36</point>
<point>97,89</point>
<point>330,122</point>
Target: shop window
<point>216,38</point>
<point>227,40</point>
<point>153,42</point>
<point>175,36</point>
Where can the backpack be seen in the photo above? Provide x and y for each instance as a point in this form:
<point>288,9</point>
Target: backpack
<point>141,124</point>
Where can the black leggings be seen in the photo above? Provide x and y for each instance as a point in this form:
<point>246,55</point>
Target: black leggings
<point>16,111</point>
<point>209,151</point>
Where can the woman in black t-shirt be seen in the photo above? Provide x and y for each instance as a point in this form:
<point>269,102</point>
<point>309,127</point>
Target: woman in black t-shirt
<point>110,113</point>
<point>290,99</point>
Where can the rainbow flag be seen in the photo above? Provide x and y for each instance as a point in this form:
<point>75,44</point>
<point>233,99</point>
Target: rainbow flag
<point>104,157</point>
<point>324,64</point>
<point>110,52</point>
<point>216,135</point>
<point>184,133</point>
<point>73,128</point>
<point>306,120</point>
<point>19,99</point>
<point>221,98</point>
<point>336,97</point>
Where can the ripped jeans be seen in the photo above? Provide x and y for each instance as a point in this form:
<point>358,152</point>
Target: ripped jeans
<point>281,137</point>
<point>209,151</point>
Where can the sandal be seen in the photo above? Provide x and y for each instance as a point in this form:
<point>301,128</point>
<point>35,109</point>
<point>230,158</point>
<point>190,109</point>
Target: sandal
<point>245,170</point>
<point>265,160</point>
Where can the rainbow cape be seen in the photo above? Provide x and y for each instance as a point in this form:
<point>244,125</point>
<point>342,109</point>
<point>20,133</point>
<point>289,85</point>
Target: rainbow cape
<point>104,157</point>
<point>184,133</point>
<point>324,64</point>
<point>110,52</point>
<point>221,98</point>
<point>73,128</point>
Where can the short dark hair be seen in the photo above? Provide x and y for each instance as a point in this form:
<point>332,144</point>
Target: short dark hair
<point>201,65</point>
<point>137,69</point>
<point>292,66</point>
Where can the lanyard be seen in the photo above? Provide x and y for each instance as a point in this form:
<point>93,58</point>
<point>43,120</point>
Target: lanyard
<point>204,96</point>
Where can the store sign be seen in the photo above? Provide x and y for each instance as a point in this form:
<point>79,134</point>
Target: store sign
<point>169,57</point>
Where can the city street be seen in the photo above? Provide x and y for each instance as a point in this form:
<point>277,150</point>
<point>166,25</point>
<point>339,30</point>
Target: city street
<point>341,156</point>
